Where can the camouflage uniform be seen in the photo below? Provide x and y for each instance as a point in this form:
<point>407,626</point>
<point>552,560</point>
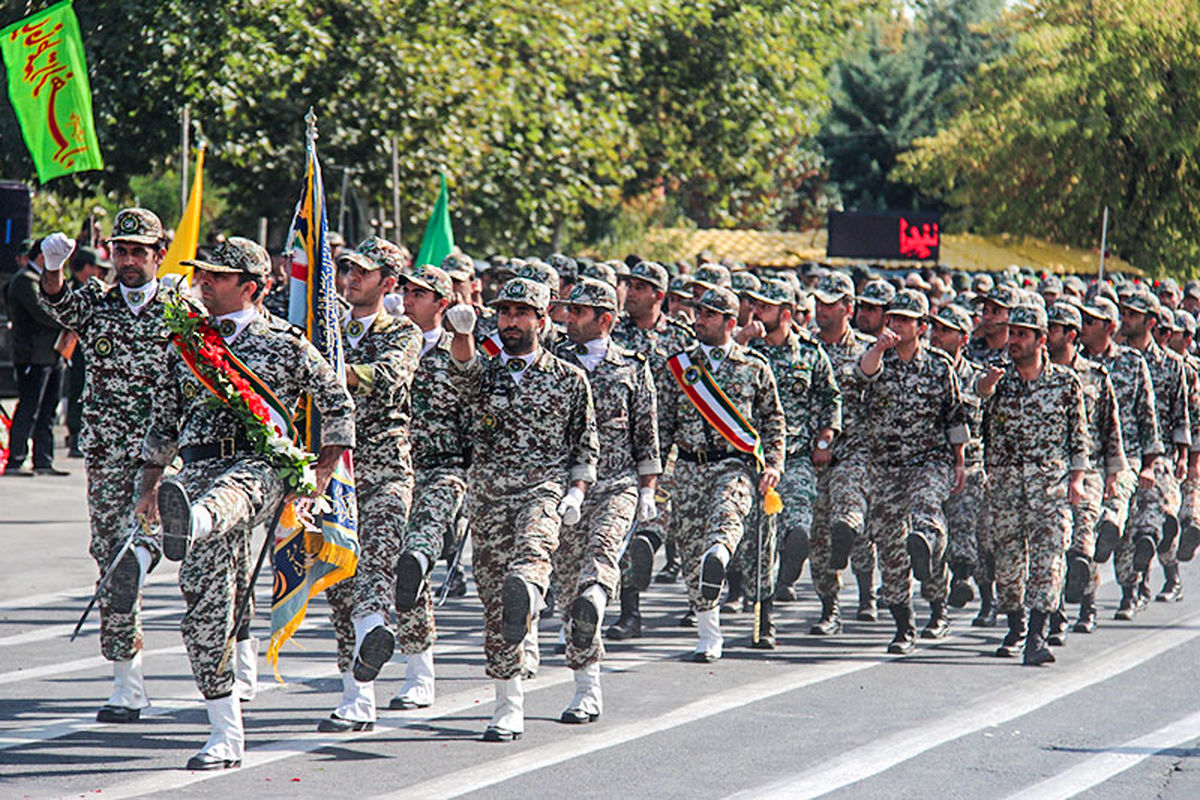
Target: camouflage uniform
<point>627,415</point>
<point>811,402</point>
<point>384,358</point>
<point>530,441</point>
<point>1188,489</point>
<point>241,490</point>
<point>968,549</point>
<point>440,457</point>
<point>126,353</point>
<point>1030,446</point>
<point>715,486</point>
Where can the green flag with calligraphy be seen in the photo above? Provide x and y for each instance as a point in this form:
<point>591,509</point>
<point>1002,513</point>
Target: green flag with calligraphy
<point>48,86</point>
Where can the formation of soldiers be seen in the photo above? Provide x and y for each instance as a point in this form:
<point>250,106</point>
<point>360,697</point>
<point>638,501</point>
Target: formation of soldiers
<point>998,440</point>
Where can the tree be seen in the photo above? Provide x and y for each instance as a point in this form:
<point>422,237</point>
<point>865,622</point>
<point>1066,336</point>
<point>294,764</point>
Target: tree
<point>1095,106</point>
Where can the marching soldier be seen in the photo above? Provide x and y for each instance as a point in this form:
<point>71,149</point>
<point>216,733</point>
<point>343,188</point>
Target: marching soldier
<point>381,356</point>
<point>990,347</point>
<point>440,458</point>
<point>227,486</point>
<point>1181,343</point>
<point>716,487</point>
<point>586,561</point>
<point>121,329</point>
<point>1106,464</point>
<point>812,405</point>
<point>872,306</point>
<point>1036,451</point>
<point>839,516</point>
<point>917,429</point>
<point>533,428</point>
<point>647,330</point>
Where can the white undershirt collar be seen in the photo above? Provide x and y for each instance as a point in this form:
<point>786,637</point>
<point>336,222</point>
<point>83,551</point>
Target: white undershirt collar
<point>139,297</point>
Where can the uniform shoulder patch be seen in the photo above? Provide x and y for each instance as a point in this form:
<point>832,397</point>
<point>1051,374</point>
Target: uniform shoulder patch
<point>675,322</point>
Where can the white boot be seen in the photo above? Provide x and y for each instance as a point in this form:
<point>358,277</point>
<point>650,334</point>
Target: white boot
<point>245,669</point>
<point>588,701</point>
<point>508,721</point>
<point>374,644</point>
<point>357,710</point>
<point>227,741</point>
<point>587,612</point>
<point>533,653</point>
<point>708,624</point>
<point>129,685</point>
<point>417,691</point>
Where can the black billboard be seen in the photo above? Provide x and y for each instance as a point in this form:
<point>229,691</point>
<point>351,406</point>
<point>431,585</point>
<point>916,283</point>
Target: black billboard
<point>16,221</point>
<point>899,236</point>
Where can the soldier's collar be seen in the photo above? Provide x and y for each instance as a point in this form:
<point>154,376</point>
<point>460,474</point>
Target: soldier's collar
<point>140,297</point>
<point>231,325</point>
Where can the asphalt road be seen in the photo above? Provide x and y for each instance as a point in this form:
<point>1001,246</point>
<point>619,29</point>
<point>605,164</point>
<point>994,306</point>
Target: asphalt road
<point>1117,716</point>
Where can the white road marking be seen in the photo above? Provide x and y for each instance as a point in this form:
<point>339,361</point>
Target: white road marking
<point>1105,765</point>
<point>78,665</point>
<point>44,632</point>
<point>1034,689</point>
<point>81,593</point>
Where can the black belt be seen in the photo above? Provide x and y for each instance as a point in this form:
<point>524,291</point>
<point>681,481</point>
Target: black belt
<point>440,461</point>
<point>708,456</point>
<point>225,447</point>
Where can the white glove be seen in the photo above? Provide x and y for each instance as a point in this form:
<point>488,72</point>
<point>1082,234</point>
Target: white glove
<point>56,249</point>
<point>461,318</point>
<point>568,509</point>
<point>646,508</point>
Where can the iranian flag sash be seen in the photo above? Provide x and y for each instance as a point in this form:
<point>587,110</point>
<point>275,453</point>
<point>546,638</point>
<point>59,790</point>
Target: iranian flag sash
<point>491,345</point>
<point>715,406</point>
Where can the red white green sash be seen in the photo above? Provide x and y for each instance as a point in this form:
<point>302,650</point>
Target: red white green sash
<point>715,406</point>
<point>491,345</point>
<point>280,417</point>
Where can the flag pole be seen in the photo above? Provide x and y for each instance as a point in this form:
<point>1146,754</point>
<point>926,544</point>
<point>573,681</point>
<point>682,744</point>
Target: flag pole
<point>396,233</point>
<point>184,144</point>
<point>1103,241</point>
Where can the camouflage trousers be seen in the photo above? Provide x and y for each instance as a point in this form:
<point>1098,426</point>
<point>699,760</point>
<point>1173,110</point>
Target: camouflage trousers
<point>437,503</point>
<point>712,503</point>
<point>798,490</point>
<point>967,547</point>
<point>1084,517</point>
<point>1032,524</point>
<point>510,535</point>
<point>215,573</point>
<point>907,500</point>
<point>841,497</point>
<point>112,491</point>
<point>1188,491</point>
<point>587,554</point>
<point>1152,509</point>
<point>382,516</point>
<point>660,526</point>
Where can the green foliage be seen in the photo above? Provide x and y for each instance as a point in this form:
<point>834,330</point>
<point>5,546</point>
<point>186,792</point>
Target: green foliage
<point>1095,105</point>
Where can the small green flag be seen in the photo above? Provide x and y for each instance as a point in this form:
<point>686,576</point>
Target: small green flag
<point>438,241</point>
<point>48,86</point>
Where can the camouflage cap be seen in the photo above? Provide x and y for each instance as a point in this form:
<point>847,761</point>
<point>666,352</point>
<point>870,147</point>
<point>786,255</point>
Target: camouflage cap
<point>459,266</point>
<point>967,301</point>
<point>744,282</point>
<point>88,256</point>
<point>909,303</point>
<point>834,286</point>
<point>953,316</point>
<point>432,278</point>
<point>1052,284</point>
<point>600,272</point>
<point>619,267</point>
<point>1003,295</point>
<point>1028,317</point>
<point>566,267</point>
<point>680,286</point>
<point>1102,308</point>
<point>537,270</point>
<point>982,284</point>
<point>1168,286</point>
<point>651,273</point>
<point>1192,289</point>
<point>380,254</point>
<point>877,292</point>
<point>524,291</point>
<point>1166,319</point>
<point>593,293</point>
<point>720,300</point>
<point>712,276</point>
<point>235,254</point>
<point>1185,322</point>
<point>1142,300</point>
<point>775,292</point>
<point>1075,284</point>
<point>138,226</point>
<point>1065,314</point>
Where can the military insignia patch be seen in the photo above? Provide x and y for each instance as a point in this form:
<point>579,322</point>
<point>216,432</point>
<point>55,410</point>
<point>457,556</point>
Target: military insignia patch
<point>354,329</point>
<point>516,290</point>
<point>136,297</point>
<point>716,355</point>
<point>189,390</point>
<point>226,327</point>
<point>488,422</point>
<point>581,349</point>
<point>691,375</point>
<point>515,365</point>
<point>103,346</point>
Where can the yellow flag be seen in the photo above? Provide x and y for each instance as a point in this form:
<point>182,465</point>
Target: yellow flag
<point>187,233</point>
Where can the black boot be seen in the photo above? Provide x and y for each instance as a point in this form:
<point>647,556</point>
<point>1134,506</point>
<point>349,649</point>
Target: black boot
<point>1011,645</point>
<point>831,618</point>
<point>1056,633</point>
<point>457,583</point>
<point>866,598</point>
<point>642,548</point>
<point>734,593</point>
<point>766,628</point>
<point>1144,593</point>
<point>1037,652</point>
<point>939,621</point>
<point>1128,608</point>
<point>1079,577</point>
<point>629,624</point>
<point>792,556</point>
<point>987,608</point>
<point>1087,616</point>
<point>670,570</point>
<point>1172,591</point>
<point>961,592</point>
<point>905,639</point>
